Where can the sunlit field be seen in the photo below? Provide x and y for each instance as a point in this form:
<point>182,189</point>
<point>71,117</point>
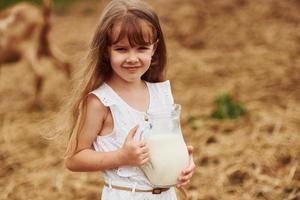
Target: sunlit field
<point>249,50</point>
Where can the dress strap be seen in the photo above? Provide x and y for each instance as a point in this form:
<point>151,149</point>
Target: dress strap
<point>105,95</point>
<point>162,92</point>
<point>167,92</point>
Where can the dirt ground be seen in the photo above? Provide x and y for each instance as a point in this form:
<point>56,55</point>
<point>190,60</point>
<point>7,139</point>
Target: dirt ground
<point>249,48</point>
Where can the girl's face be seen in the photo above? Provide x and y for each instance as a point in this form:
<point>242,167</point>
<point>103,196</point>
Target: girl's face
<point>128,62</point>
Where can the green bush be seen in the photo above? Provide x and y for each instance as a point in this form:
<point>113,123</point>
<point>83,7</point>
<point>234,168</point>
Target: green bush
<point>227,107</point>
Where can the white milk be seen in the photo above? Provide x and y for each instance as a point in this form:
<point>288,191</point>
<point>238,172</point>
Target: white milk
<point>168,157</point>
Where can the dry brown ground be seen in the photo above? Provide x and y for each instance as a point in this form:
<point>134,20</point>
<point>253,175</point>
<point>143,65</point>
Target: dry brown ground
<point>250,48</point>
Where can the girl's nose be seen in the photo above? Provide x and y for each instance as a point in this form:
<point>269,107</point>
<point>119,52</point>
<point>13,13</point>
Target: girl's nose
<point>132,58</point>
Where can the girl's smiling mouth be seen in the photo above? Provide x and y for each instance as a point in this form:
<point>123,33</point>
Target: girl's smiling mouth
<point>132,69</point>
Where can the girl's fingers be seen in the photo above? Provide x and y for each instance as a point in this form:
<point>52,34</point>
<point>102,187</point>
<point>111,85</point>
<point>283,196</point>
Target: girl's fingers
<point>145,160</point>
<point>190,150</point>
<point>188,172</point>
<point>186,175</point>
<point>144,150</point>
<point>145,155</point>
<point>185,178</point>
<point>189,169</point>
<point>142,144</point>
<point>192,165</point>
<point>131,134</point>
<point>182,184</point>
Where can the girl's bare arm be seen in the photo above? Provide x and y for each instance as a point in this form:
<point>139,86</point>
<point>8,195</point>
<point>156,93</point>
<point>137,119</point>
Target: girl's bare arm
<point>87,159</point>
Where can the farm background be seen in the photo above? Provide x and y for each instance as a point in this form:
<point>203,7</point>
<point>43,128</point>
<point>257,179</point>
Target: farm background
<point>248,48</point>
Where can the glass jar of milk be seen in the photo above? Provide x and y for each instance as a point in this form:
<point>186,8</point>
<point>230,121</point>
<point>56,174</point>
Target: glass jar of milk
<point>168,151</point>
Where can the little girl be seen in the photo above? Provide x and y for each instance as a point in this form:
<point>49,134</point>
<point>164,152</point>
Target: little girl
<point>123,81</point>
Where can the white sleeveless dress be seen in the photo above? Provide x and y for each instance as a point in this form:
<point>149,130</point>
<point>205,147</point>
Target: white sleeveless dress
<point>125,118</point>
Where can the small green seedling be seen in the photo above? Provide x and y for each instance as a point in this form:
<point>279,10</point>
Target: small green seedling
<point>227,107</point>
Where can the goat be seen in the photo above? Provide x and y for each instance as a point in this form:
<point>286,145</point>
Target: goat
<point>24,31</point>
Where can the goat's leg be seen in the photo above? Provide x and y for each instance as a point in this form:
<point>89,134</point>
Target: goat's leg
<point>59,59</point>
<point>31,56</point>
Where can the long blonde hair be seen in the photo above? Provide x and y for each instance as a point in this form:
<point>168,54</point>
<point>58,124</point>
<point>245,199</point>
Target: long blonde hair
<point>131,14</point>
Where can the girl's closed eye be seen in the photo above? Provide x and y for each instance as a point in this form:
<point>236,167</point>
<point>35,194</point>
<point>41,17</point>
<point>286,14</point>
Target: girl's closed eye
<point>121,49</point>
<point>143,48</point>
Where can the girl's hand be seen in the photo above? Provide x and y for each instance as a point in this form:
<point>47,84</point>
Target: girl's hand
<point>134,152</point>
<point>188,172</point>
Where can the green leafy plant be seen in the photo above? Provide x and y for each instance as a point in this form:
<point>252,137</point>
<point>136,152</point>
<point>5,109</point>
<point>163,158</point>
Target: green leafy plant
<point>227,107</point>
<point>194,122</point>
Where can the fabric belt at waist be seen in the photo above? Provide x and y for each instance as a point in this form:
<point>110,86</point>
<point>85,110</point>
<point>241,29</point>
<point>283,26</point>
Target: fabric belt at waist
<point>153,191</point>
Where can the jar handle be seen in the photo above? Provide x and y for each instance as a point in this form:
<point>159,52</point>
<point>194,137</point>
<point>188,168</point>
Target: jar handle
<point>142,131</point>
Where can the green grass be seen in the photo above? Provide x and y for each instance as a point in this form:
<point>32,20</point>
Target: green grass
<point>227,107</point>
